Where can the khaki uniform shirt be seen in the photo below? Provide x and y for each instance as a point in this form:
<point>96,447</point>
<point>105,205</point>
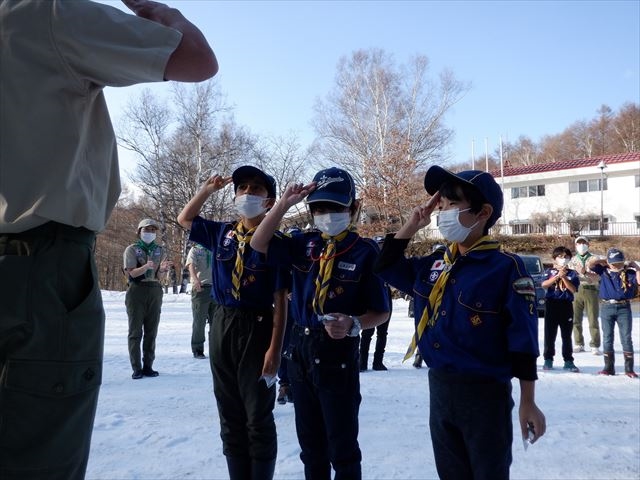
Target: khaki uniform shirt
<point>201,259</point>
<point>58,158</point>
<point>135,257</point>
<point>577,263</point>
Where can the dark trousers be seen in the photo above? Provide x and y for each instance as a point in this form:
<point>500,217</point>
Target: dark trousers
<point>558,314</point>
<point>283,371</point>
<point>381,341</point>
<point>325,379</point>
<point>51,347</point>
<point>144,303</point>
<point>238,340</point>
<point>471,426</point>
<point>202,306</point>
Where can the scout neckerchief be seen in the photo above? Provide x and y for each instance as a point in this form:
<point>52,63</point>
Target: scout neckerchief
<point>435,297</point>
<point>243,238</point>
<point>147,248</point>
<point>326,266</point>
<point>623,279</point>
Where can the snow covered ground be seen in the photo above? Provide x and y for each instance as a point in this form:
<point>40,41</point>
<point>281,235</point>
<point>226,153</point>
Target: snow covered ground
<point>167,427</point>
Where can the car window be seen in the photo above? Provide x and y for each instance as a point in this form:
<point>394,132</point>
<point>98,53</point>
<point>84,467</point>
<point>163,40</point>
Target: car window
<point>532,264</point>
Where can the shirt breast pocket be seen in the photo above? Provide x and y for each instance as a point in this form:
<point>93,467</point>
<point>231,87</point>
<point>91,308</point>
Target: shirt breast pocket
<point>346,276</point>
<point>480,301</point>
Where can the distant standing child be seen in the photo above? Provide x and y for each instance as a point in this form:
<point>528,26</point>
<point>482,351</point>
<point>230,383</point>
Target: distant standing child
<point>618,285</point>
<point>560,284</point>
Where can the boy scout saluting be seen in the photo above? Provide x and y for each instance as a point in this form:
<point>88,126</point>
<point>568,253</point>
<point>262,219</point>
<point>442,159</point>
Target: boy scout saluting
<point>476,326</point>
<point>245,337</point>
<point>334,295</point>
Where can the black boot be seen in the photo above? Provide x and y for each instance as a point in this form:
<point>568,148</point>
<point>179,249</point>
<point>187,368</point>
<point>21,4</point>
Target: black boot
<point>239,468</point>
<point>417,361</point>
<point>628,365</point>
<point>365,342</point>
<point>609,364</point>
<point>381,344</point>
<point>147,371</point>
<point>377,361</point>
<point>262,469</point>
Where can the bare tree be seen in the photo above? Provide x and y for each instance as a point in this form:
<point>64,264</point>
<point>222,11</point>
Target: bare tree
<point>378,114</point>
<point>626,125</point>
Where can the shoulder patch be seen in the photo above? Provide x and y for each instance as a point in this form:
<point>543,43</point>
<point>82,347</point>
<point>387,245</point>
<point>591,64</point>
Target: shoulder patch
<point>525,286</point>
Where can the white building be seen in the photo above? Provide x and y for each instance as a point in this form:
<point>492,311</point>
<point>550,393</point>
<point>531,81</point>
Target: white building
<point>540,198</point>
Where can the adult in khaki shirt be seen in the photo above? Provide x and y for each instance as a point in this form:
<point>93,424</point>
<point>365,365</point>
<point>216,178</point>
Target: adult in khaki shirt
<point>59,181</point>
<point>586,298</point>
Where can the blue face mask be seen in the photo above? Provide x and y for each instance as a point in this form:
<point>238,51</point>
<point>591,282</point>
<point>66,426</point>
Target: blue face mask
<point>450,226</point>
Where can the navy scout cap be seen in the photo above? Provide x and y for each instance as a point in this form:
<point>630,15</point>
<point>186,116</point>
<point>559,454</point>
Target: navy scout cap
<point>615,256</point>
<point>482,181</point>
<point>333,185</point>
<point>242,173</point>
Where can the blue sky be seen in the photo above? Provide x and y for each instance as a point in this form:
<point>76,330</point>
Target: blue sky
<point>534,67</point>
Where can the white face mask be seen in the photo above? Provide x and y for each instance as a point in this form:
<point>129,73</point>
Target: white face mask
<point>581,248</point>
<point>332,223</point>
<point>450,226</point>
<point>147,237</point>
<point>250,206</point>
<point>561,261</point>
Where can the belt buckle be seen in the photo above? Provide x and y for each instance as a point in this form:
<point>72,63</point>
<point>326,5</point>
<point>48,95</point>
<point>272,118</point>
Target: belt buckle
<point>307,330</point>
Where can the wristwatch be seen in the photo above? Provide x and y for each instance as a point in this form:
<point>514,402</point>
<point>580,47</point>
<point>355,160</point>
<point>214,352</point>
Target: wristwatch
<point>356,328</point>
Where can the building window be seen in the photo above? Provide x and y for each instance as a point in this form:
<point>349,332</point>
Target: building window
<point>637,219</point>
<point>637,179</point>
<point>530,191</point>
<point>594,223</point>
<point>581,186</point>
<point>521,228</point>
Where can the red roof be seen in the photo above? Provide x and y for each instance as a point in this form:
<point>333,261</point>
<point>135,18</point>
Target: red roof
<point>568,164</point>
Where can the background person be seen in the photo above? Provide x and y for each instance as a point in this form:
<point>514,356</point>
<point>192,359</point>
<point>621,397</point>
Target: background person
<point>585,299</point>
<point>381,335</point>
<point>144,262</point>
<point>202,303</point>
<point>618,285</point>
<point>560,283</point>
<point>57,189</point>
<point>245,337</point>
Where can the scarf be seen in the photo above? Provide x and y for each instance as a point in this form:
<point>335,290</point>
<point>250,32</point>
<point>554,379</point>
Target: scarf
<point>243,239</point>
<point>435,297</point>
<point>326,266</point>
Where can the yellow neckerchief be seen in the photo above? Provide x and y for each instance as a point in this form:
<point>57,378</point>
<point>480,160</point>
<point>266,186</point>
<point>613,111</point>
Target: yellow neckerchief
<point>326,266</point>
<point>243,239</point>
<point>623,278</point>
<point>435,297</point>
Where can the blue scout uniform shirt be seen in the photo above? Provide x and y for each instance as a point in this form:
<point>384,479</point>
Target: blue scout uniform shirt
<point>611,283</point>
<point>259,280</point>
<point>558,291</point>
<point>487,311</point>
<point>354,288</point>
